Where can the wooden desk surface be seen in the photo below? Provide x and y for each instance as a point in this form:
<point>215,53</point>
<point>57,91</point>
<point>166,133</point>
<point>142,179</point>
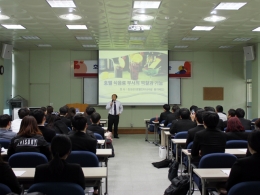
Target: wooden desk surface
<point>211,173</point>
<point>236,152</point>
<point>179,141</point>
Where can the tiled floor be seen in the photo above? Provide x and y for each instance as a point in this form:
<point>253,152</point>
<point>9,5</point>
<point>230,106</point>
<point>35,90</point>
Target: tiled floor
<point>131,171</point>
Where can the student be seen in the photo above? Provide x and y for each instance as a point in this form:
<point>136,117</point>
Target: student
<point>240,113</point>
<point>29,139</point>
<point>8,177</point>
<point>257,124</point>
<point>235,130</point>
<point>5,124</point>
<point>165,113</point>
<point>94,127</point>
<point>89,112</point>
<point>63,112</point>
<point>231,113</point>
<point>58,170</point>
<point>71,113</point>
<point>16,123</point>
<point>220,121</point>
<point>49,113</point>
<point>44,109</point>
<point>219,110</point>
<point>173,115</point>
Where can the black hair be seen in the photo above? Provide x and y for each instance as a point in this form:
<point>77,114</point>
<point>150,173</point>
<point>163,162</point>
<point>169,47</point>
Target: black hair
<point>49,109</point>
<point>38,115</point>
<point>199,115</point>
<point>166,107</point>
<point>90,110</point>
<point>184,113</point>
<point>63,110</point>
<point>232,112</point>
<point>23,112</point>
<point>115,95</point>
<point>4,120</point>
<point>71,113</point>
<point>219,108</point>
<point>79,122</point>
<point>175,108</point>
<point>210,119</point>
<point>193,107</point>
<point>240,113</point>
<point>95,117</point>
<point>209,108</point>
<point>60,146</point>
<point>253,140</point>
<point>43,109</point>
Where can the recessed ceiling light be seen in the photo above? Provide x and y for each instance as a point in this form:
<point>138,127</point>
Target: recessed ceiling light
<point>70,17</point>
<point>147,4</point>
<point>137,38</point>
<point>205,28</point>
<point>89,45</point>
<point>257,29</point>
<point>230,5</point>
<point>31,37</point>
<point>190,38</point>
<point>44,45</point>
<point>61,3</point>
<point>242,39</point>
<point>84,38</point>
<point>180,46</point>
<point>225,46</point>
<point>77,26</point>
<point>214,18</point>
<point>13,26</point>
<point>4,17</point>
<point>142,17</point>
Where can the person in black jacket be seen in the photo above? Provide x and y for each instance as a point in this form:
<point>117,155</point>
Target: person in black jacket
<point>63,112</point>
<point>235,130</point>
<point>220,121</point>
<point>58,170</point>
<point>80,139</point>
<point>88,113</point>
<point>240,113</point>
<point>231,113</point>
<point>173,115</point>
<point>164,114</point>
<point>94,127</point>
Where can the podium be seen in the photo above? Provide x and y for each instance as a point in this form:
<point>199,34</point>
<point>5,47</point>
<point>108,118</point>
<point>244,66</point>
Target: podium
<point>81,107</point>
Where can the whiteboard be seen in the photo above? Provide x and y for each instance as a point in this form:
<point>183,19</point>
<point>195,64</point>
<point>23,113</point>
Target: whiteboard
<point>90,91</point>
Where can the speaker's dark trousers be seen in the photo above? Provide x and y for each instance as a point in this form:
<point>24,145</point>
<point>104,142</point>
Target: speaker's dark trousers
<point>113,120</point>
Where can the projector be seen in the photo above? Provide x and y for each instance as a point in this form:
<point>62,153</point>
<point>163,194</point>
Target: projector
<point>135,28</point>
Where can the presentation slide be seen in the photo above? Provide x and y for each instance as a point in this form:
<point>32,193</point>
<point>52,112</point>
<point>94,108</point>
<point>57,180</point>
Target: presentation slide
<point>137,77</point>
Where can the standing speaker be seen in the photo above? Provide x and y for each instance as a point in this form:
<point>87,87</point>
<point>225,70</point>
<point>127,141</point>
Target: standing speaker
<point>249,53</point>
<point>7,51</point>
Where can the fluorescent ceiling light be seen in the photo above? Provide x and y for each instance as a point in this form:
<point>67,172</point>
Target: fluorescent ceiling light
<point>70,17</point>
<point>230,5</point>
<point>89,45</point>
<point>84,38</point>
<point>225,46</point>
<point>31,37</point>
<point>13,26</point>
<point>61,3</point>
<point>257,29</point>
<point>142,17</point>
<point>180,46</point>
<point>77,26</point>
<point>205,28</point>
<point>190,38</point>
<point>137,38</point>
<point>147,4</point>
<point>44,45</point>
<point>242,39</point>
<point>214,18</point>
<point>4,17</point>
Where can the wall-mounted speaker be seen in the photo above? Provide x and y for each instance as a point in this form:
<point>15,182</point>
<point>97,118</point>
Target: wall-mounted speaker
<point>249,53</point>
<point>7,51</point>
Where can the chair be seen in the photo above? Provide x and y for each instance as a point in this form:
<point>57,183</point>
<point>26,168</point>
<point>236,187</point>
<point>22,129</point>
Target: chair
<point>98,136</point>
<point>5,143</point>
<point>4,189</point>
<point>179,135</point>
<point>248,131</point>
<point>236,144</point>
<point>84,158</point>
<point>249,187</point>
<point>54,188</point>
<point>27,160</point>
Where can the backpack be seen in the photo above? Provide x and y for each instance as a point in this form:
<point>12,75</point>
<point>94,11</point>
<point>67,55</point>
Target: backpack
<point>179,186</point>
<point>173,171</point>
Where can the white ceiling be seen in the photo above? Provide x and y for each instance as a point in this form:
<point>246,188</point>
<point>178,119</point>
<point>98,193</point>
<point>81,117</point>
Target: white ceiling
<point>108,20</point>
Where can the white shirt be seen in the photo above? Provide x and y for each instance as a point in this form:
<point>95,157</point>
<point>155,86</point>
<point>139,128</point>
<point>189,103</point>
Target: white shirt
<point>15,125</point>
<point>222,116</point>
<point>119,107</point>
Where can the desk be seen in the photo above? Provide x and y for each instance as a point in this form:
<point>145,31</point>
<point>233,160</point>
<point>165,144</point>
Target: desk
<point>102,122</point>
<point>167,135</point>
<point>156,125</point>
<point>146,121</point>
<point>163,137</point>
<point>105,128</point>
<point>178,142</point>
<point>210,175</point>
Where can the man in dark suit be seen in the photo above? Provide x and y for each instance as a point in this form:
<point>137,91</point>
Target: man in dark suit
<point>209,140</point>
<point>182,124</point>
<point>89,112</point>
<point>94,127</point>
<point>231,113</point>
<point>165,113</point>
<point>48,134</point>
<point>63,112</point>
<point>199,127</point>
<point>220,121</point>
<point>81,140</point>
<point>173,115</point>
<point>240,113</point>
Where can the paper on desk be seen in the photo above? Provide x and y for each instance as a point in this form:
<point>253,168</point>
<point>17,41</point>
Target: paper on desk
<point>243,150</point>
<point>18,173</point>
<point>227,172</point>
<point>3,149</point>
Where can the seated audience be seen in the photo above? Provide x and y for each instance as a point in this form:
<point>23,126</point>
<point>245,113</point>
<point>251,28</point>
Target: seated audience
<point>193,108</point>
<point>240,113</point>
<point>49,112</point>
<point>52,119</point>
<point>257,124</point>
<point>182,124</point>
<point>80,139</point>
<point>5,124</point>
<point>57,125</point>
<point>235,130</point>
<point>219,110</point>
<point>15,125</point>
<point>29,139</point>
<point>173,115</point>
<point>48,134</point>
<point>88,113</point>
<point>166,111</point>
<point>63,112</point>
<point>231,113</point>
<point>198,128</point>
<point>209,140</point>
<point>71,113</point>
<point>220,121</point>
<point>8,177</point>
<point>58,170</point>
<point>44,109</point>
<point>94,127</point>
